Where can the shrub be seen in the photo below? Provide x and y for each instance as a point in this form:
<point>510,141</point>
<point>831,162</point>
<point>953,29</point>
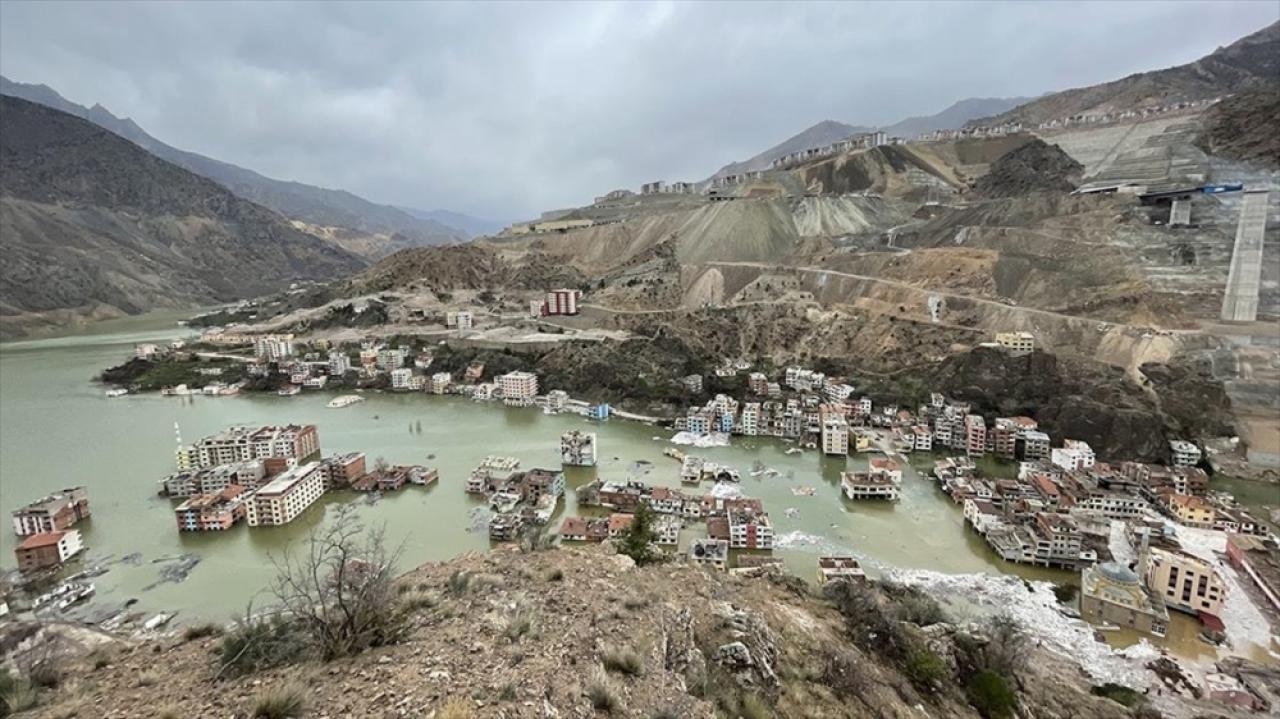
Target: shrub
<point>1066,592</point>
<point>623,660</point>
<point>601,694</point>
<point>340,590</point>
<point>255,644</point>
<point>459,580</point>
<point>633,603</point>
<point>416,601</point>
<point>45,674</point>
<point>456,709</point>
<point>16,694</point>
<point>1119,694</point>
<point>924,668</point>
<point>991,695</point>
<point>846,674</point>
<point>638,540</point>
<point>555,575</point>
<point>753,707</point>
<point>280,702</point>
<point>518,623</point>
<point>200,631</point>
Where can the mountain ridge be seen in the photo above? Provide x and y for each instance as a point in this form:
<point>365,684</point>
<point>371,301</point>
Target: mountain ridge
<point>1250,63</point>
<point>314,205</point>
<point>91,221</point>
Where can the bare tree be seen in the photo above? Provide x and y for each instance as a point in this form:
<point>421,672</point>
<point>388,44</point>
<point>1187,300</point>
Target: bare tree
<point>340,589</point>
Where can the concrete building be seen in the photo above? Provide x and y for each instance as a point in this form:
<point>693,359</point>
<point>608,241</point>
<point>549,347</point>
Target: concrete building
<point>286,496</point>
<point>710,552</point>
<point>562,302</point>
<point>869,485</point>
<point>459,319</point>
<point>835,432</point>
<point>518,388</point>
<point>391,358</point>
<point>1035,445</point>
<point>749,529</point>
<point>1185,582</point>
<point>273,348</point>
<point>212,512</point>
<point>1191,511</point>
<point>343,469</point>
<point>440,382</point>
<point>578,449</point>
<point>52,513</point>
<point>236,444</point>
<point>1183,453</point>
<point>1016,343</point>
<point>1112,594</point>
<point>211,480</point>
<point>975,435</point>
<point>1258,559</point>
<point>840,568</point>
<point>339,363</point>
<point>47,549</point>
<point>1074,455</point>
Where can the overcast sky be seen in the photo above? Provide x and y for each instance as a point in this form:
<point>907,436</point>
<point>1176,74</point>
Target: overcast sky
<point>506,110</point>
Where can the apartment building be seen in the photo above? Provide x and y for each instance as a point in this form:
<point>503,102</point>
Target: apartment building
<point>459,319</point>
<point>391,358</point>
<point>52,513</point>
<point>835,431</point>
<point>518,388</point>
<point>975,435</point>
<point>1016,343</point>
<point>758,384</point>
<point>339,363</point>
<point>249,474</point>
<point>921,438</point>
<point>1183,453</point>
<point>749,529</point>
<point>212,512</point>
<point>1190,510</point>
<point>869,485</point>
<point>578,449</point>
<point>1035,445</point>
<point>1185,582</point>
<point>273,348</point>
<point>286,496</point>
<point>47,549</point>
<point>562,302</point>
<point>343,469</point>
<point>402,378</point>
<point>240,443</point>
<point>440,382</point>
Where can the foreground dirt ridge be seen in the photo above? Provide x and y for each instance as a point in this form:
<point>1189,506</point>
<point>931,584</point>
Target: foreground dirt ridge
<point>581,633</point>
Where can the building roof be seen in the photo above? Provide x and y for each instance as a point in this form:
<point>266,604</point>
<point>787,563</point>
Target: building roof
<point>43,539</point>
<point>1118,573</point>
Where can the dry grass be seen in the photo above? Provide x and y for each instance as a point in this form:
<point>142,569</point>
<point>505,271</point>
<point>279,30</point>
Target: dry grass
<point>456,709</point>
<point>284,701</point>
<point>623,660</point>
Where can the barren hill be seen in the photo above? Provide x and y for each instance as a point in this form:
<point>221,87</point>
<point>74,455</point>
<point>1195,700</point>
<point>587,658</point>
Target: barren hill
<point>1251,63</point>
<point>318,206</point>
<point>582,633</point>
<point>91,222</point>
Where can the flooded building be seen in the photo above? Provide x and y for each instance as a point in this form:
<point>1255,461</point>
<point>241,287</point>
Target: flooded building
<point>578,449</point>
<point>52,513</point>
<point>1111,594</point>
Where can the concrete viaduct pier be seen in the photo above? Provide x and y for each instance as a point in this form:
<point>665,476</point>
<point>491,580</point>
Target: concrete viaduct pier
<point>1240,302</point>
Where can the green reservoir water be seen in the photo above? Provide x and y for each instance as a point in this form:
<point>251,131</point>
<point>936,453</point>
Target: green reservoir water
<point>58,429</point>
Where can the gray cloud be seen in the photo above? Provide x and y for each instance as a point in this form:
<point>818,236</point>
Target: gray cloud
<point>508,109</point>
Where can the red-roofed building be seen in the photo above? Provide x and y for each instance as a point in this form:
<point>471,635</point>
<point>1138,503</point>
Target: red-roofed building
<point>47,549</point>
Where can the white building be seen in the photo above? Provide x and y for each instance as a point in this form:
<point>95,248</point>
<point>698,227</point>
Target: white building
<point>274,348</point>
<point>921,438</point>
<point>518,388</point>
<point>563,302</point>
<point>145,351</point>
<point>1035,445</point>
<point>402,378</point>
<point>339,363</point>
<point>749,424</point>
<point>459,319</point>
<point>440,382</point>
<point>1074,455</point>
<point>1018,343</point>
<point>835,433</point>
<point>710,552</point>
<point>390,358</point>
<point>578,449</point>
<point>1185,454</point>
<point>285,497</point>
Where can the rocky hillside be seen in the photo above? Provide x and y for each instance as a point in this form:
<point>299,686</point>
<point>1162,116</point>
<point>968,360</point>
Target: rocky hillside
<point>1243,127</point>
<point>1034,167</point>
<point>1250,63</point>
<point>823,133</point>
<point>583,633</point>
<point>89,221</point>
<point>306,203</point>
